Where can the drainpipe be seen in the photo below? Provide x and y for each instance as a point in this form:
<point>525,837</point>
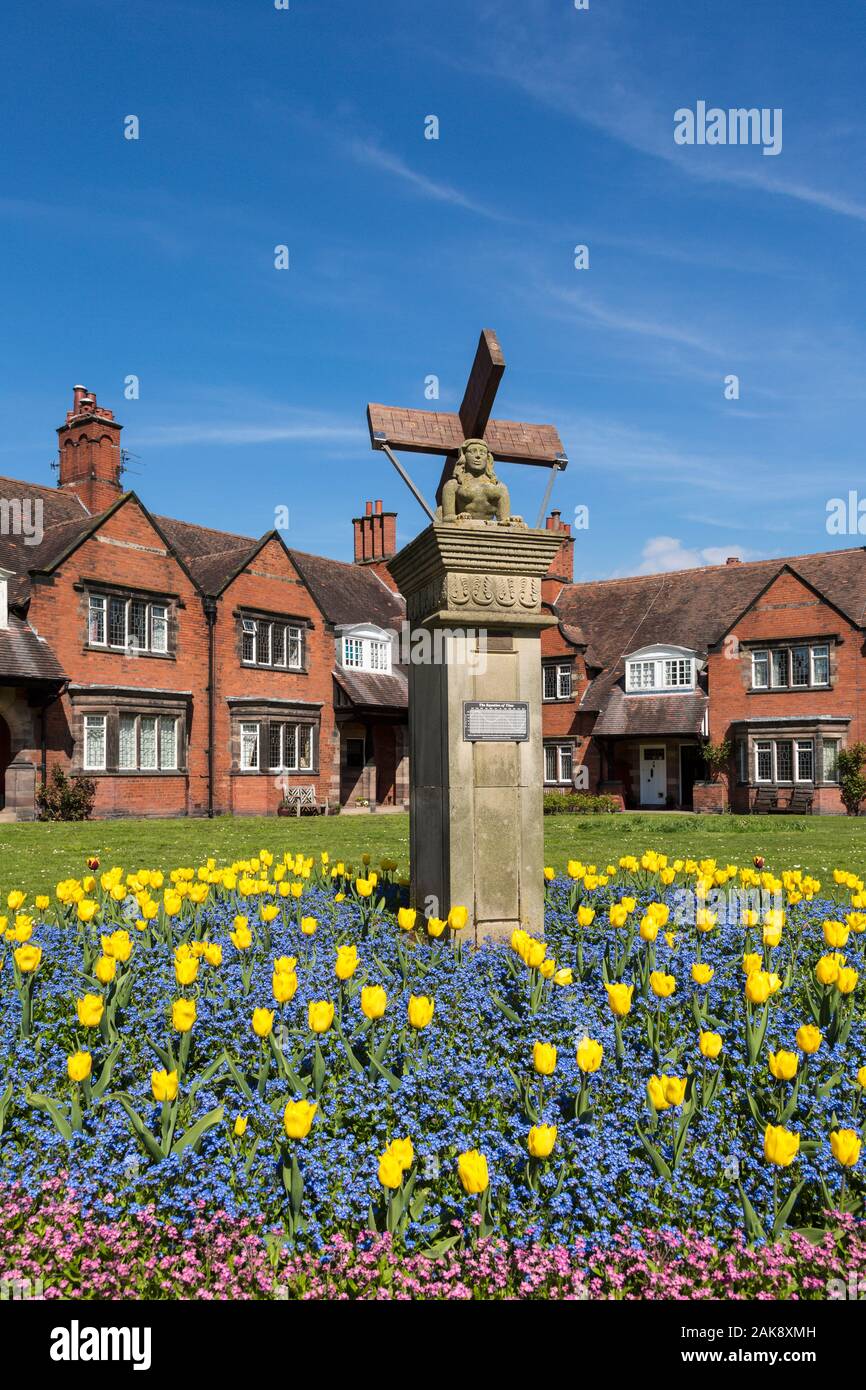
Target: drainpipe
<point>210,613</point>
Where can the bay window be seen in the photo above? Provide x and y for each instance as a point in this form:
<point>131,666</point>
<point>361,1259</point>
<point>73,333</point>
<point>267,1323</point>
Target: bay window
<point>785,760</point>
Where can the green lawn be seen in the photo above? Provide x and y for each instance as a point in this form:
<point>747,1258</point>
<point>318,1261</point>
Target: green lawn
<point>36,856</point>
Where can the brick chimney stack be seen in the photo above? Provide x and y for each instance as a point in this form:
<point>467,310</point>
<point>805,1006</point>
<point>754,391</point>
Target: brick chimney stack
<point>375,535</point>
<point>89,447</point>
<point>562,566</point>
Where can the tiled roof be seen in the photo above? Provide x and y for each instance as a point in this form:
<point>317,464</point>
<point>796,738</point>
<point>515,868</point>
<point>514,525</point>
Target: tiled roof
<point>651,714</point>
<point>368,690</point>
<point>26,657</point>
<point>694,608</point>
<point>63,517</point>
<point>349,593</point>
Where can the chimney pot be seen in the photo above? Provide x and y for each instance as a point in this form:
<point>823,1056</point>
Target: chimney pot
<point>369,509</point>
<point>378,506</point>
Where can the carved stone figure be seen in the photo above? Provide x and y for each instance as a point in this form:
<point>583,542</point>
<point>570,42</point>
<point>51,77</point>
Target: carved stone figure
<point>474,493</point>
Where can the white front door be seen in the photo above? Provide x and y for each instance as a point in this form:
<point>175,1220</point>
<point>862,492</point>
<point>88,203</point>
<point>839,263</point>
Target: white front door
<point>653,775</point>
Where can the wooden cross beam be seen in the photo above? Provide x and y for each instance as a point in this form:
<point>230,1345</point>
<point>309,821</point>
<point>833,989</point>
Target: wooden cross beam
<point>442,432</point>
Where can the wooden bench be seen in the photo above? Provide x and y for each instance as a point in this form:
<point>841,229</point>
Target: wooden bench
<point>800,803</point>
<point>302,800</point>
<point>766,800</point>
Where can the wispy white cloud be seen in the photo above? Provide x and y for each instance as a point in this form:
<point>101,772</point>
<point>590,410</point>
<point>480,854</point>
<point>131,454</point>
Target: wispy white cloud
<point>369,152</point>
<point>206,432</point>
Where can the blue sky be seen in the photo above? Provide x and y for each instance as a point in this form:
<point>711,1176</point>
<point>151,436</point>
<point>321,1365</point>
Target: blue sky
<point>305,127</point>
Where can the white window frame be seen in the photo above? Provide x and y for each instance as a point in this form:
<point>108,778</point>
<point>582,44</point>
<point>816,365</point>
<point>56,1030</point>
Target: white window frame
<point>668,670</point>
<point>293,641</point>
<point>819,647</point>
<point>295,764</point>
<point>163,720</point>
<point>804,743</point>
<point>762,654</point>
<point>764,745</point>
<point>562,680</point>
<point>101,604</point>
<point>363,652</point>
<point>244,764</point>
<point>91,720</point>
<point>558,749</point>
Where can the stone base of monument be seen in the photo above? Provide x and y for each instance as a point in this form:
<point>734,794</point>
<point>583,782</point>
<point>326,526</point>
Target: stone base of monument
<point>473,597</point>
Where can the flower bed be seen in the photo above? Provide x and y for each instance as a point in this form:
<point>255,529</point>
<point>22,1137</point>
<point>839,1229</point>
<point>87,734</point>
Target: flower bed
<point>282,1043</point>
<point>52,1249</point>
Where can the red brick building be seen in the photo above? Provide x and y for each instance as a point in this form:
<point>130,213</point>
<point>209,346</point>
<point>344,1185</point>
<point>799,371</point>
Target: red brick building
<point>189,671</point>
<point>193,672</point>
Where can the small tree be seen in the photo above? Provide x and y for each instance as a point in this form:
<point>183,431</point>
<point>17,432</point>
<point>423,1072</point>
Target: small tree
<point>852,782</point>
<point>63,798</point>
<point>717,758</point>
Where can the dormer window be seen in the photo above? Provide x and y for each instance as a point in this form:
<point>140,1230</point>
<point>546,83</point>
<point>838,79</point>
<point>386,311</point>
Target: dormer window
<point>5,576</point>
<point>661,670</point>
<point>365,649</point>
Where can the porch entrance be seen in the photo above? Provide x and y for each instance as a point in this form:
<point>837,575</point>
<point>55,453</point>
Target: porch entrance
<point>653,774</point>
<point>691,770</point>
<point>5,758</point>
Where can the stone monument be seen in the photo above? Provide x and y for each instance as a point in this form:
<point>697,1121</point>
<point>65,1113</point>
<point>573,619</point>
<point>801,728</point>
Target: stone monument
<point>472,581</point>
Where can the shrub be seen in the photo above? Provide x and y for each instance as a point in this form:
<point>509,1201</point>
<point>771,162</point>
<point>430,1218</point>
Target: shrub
<point>852,782</point>
<point>717,758</point>
<point>578,803</point>
<point>64,798</point>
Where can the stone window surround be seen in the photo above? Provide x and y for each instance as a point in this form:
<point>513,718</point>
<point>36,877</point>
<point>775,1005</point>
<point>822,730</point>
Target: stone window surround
<point>112,702</point>
<point>305,624</point>
<point>789,730</point>
<point>748,647</point>
<point>106,588</point>
<point>264,711</point>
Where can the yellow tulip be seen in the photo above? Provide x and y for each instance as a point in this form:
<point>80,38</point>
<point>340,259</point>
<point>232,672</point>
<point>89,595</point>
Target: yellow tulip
<point>406,918</point>
<point>42,902</point>
<point>846,1145</point>
<point>827,970</point>
<point>241,937</point>
<point>105,969</point>
<point>758,987</point>
<point>783,1065</point>
<point>183,1015</point>
<point>662,985</point>
<point>308,925</point>
<point>861,1078</point>
<point>347,962</point>
<point>390,1171</point>
<point>90,1010</point>
<point>472,1171</point>
<point>373,1001</point>
<point>589,1055</point>
<point>675,1089</point>
<point>298,1118</point>
<point>420,1010</point>
<point>402,1151</point>
<point>269,912</point>
<point>780,1145</point>
<point>28,959</point>
<point>118,945</point>
<point>79,1066</point>
<point>544,1058</point>
<point>363,887</point>
<point>710,1044</point>
<point>263,1022</point>
<point>213,953</point>
<point>185,971</point>
<point>619,999</point>
<point>701,973</point>
<point>457,918</point>
<point>846,980</point>
<point>585,916</point>
<point>320,1015</point>
<point>656,1092</point>
<point>540,1140</point>
<point>15,899</point>
<point>240,1126</point>
<point>809,1038</point>
<point>835,934</point>
<point>436,926</point>
<point>163,1085</point>
<point>284,985</point>
<point>564,977</point>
